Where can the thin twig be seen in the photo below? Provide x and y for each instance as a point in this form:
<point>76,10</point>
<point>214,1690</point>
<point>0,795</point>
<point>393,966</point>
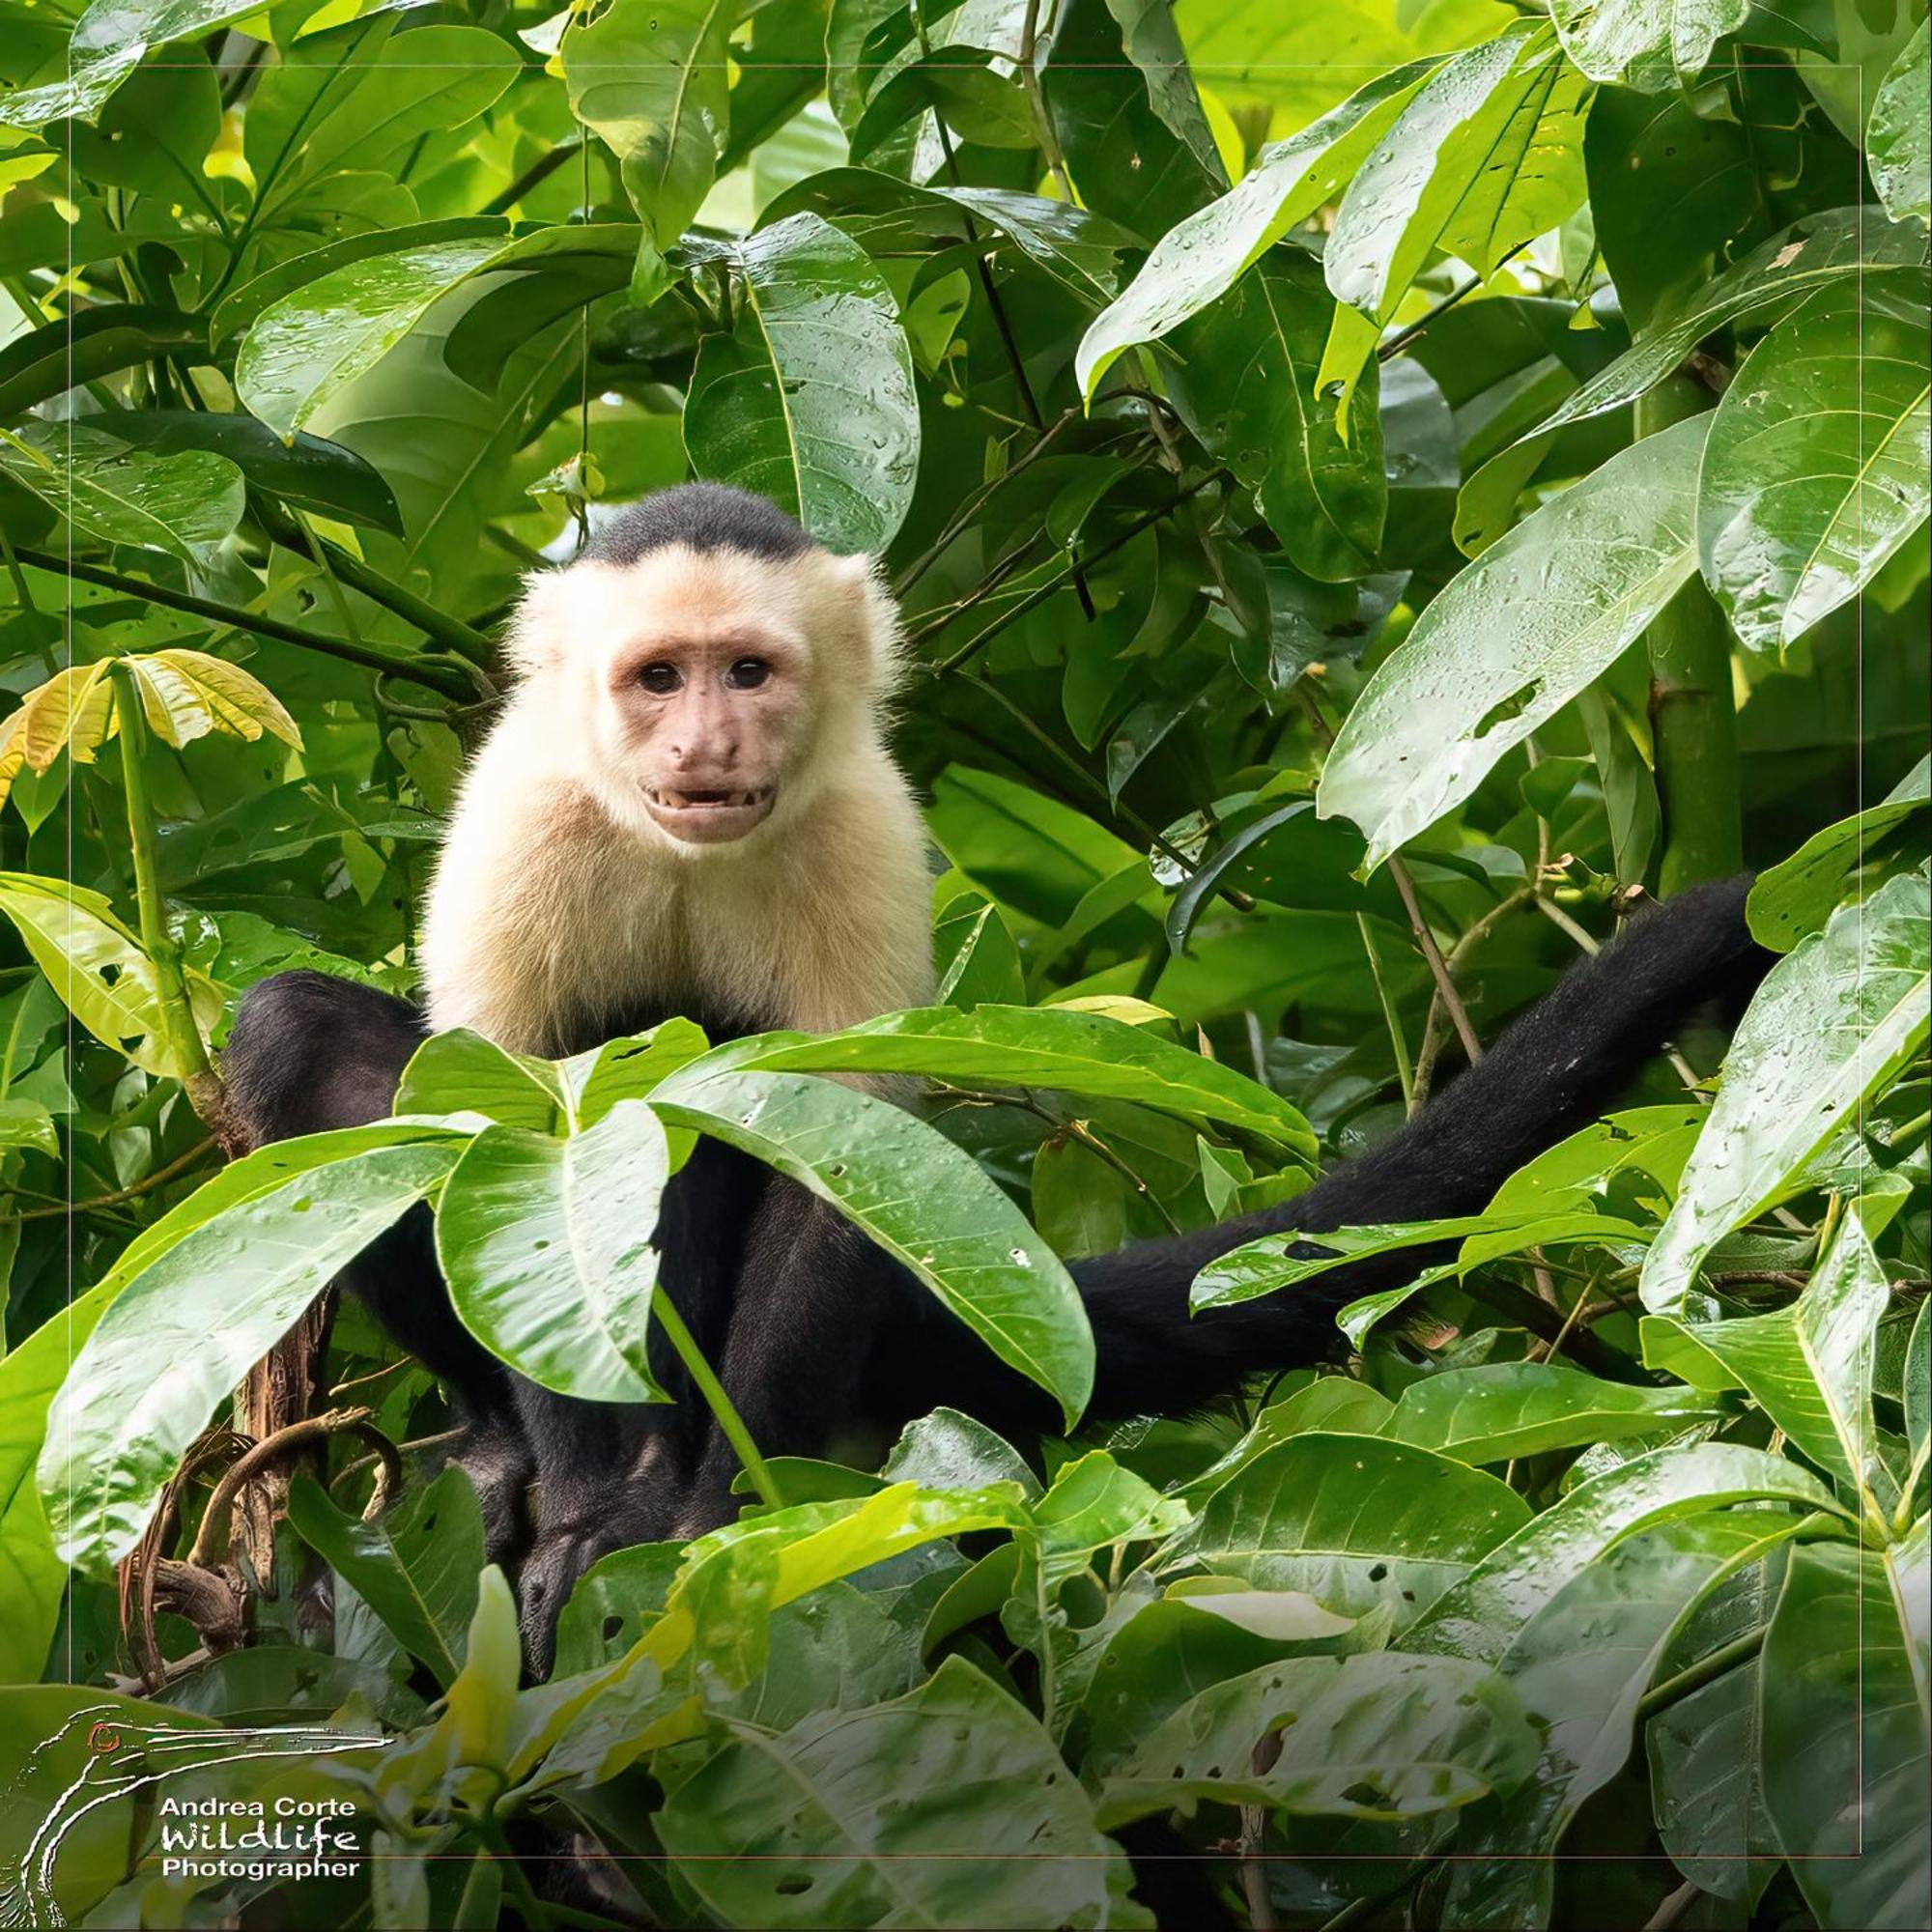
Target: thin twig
<point>435,670</point>
<point>984,635</point>
<point>1445,987</point>
<point>212,1537</point>
<point>161,1178</point>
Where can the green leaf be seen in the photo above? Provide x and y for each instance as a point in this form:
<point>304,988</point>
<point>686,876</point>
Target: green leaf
<point>809,399</point>
<point>1798,895</point>
<point>461,1072</point>
<point>1818,455</point>
<point>1834,1022</point>
<point>1809,1365</point>
<point>1898,137</point>
<point>651,77</point>
<point>416,1566</point>
<point>1382,1737</point>
<point>185,1329</point>
<point>33,1578</point>
<point>1481,1615</point>
<point>1353,1521</point>
<point>860,1817</point>
<point>1580,1665</point>
<point>1202,257</point>
<point>1488,153</point>
<point>1648,44</point>
<point>307,347</point>
<point>1521,632</point>
<point>922,1199</point>
<point>546,1245</point>
<point>1246,385</point>
<point>1773,276</point>
<point>1502,1410</point>
<point>97,967</point>
<point>309,473</point>
<point>1843,1690</point>
<point>1034,1046</point>
<point>177,503</point>
<point>975,956</point>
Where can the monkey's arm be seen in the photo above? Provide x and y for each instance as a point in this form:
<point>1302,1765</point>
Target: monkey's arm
<point>1551,1072</point>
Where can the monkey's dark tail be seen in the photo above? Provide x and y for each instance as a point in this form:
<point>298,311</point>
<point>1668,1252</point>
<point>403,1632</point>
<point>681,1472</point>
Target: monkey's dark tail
<point>1552,1071</point>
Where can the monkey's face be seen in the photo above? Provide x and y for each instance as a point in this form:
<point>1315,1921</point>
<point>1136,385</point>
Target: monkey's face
<point>707,678</point>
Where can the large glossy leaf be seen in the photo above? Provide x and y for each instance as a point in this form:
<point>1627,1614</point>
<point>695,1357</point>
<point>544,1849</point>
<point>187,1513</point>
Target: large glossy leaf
<point>809,399</point>
<point>1648,44</point>
<point>653,81</point>
<point>123,495</point>
<point>97,967</point>
<point>1524,1408</point>
<point>1834,1022</point>
<point>1580,1665</point>
<point>1533,621</point>
<point>1482,1615</point>
<point>1488,153</point>
<point>185,1330</point>
<point>309,473</point>
<point>1797,895</point>
<point>1202,257</point>
<point>1779,272</point>
<point>301,351</point>
<point>1036,1046</point>
<point>1842,1689</point>
<point>1380,1736</point>
<point>1353,1521</point>
<point>898,1814</point>
<point>915,1194</point>
<point>1899,138</point>
<point>461,1072</point>
<point>1819,456</point>
<point>1246,385</point>
<point>33,1578</point>
<point>1809,1365</point>
<point>416,1566</point>
<point>546,1245</point>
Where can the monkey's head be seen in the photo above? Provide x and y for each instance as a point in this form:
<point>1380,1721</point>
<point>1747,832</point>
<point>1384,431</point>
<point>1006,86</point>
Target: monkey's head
<point>712,664</point>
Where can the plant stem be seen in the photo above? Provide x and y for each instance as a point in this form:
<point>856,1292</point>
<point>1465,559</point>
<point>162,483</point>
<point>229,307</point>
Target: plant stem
<point>451,631</point>
<point>716,1400</point>
<point>435,670</point>
<point>1404,1073</point>
<point>1693,717</point>
<point>1445,987</point>
<point>1706,1670</point>
<point>178,1021</point>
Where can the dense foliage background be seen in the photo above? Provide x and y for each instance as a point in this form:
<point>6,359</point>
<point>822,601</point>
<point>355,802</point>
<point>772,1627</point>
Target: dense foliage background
<point>1374,488</point>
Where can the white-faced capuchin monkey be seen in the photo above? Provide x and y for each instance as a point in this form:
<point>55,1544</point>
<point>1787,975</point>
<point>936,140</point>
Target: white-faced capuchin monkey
<point>688,806</point>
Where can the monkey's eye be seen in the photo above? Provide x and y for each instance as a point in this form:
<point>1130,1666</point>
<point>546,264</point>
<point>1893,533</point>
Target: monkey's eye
<point>661,679</point>
<point>748,673</point>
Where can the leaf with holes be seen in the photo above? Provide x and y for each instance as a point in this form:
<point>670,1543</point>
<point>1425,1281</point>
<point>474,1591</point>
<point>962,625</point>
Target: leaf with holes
<point>1536,619</point>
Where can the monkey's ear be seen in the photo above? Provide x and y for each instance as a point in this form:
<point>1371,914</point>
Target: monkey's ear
<point>871,618</point>
<point>540,629</point>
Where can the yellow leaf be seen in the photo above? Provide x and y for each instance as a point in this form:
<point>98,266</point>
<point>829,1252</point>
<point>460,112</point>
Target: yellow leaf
<point>13,751</point>
<point>71,712</point>
<point>185,695</point>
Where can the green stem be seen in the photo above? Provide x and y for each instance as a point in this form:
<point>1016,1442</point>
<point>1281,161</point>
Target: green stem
<point>1693,716</point>
<point>1706,1670</point>
<point>1404,1073</point>
<point>178,1021</point>
<point>451,631</point>
<point>433,671</point>
<point>716,1400</point>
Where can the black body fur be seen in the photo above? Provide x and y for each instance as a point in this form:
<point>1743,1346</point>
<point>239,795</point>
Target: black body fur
<point>813,1329</point>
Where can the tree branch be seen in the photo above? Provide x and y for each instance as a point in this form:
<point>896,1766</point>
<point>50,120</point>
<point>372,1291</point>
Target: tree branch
<point>454,677</point>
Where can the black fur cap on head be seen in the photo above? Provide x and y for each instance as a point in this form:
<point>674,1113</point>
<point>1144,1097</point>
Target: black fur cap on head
<point>703,517</point>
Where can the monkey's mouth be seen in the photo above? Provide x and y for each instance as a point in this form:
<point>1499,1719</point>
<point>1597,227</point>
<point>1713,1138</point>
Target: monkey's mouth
<point>708,815</point>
